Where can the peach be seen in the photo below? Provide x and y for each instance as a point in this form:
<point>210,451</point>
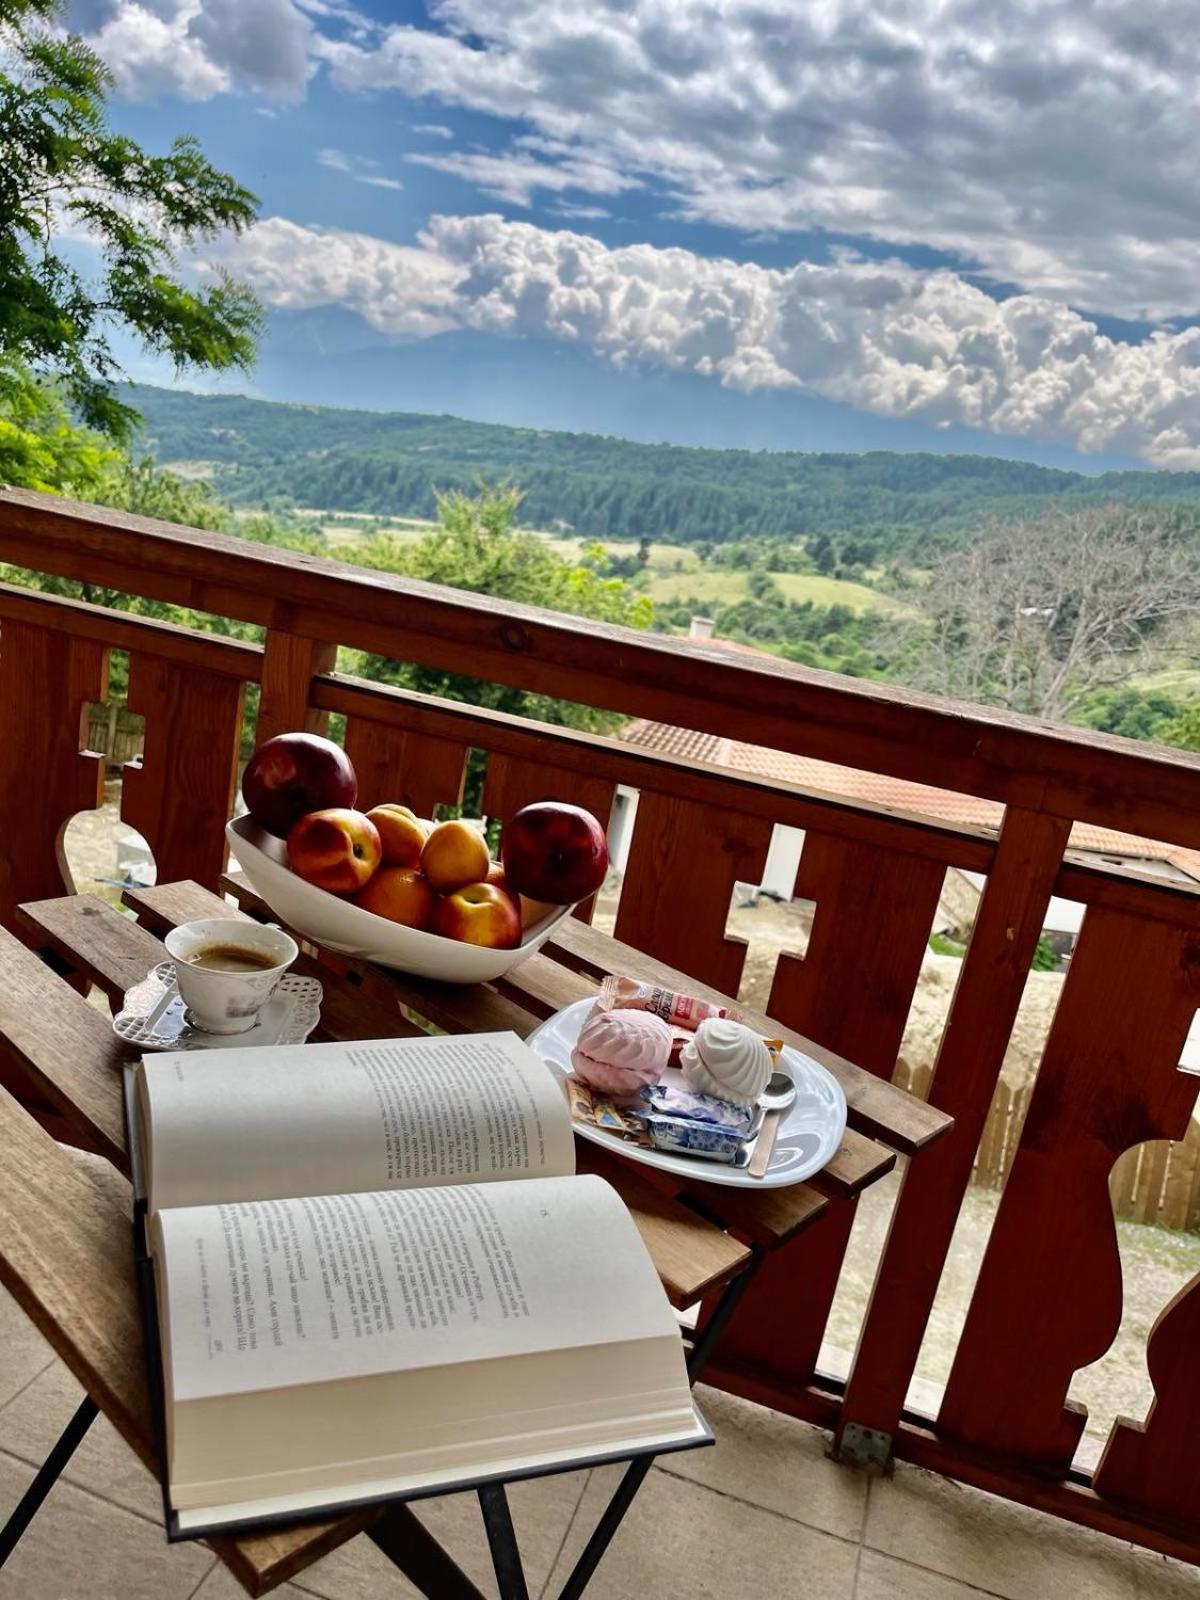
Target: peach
<point>455,854</point>
<point>534,911</point>
<point>337,849</point>
<point>402,833</point>
<point>478,913</point>
<point>400,894</point>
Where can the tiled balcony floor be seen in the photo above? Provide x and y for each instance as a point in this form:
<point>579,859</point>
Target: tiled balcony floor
<point>764,1515</point>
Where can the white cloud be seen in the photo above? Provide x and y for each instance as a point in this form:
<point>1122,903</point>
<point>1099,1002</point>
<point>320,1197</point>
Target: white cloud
<point>1051,142</point>
<point>398,289</point>
<point>435,130</point>
<point>532,164</point>
<point>363,169</point>
<point>881,336</point>
<point>196,49</point>
<point>151,55</point>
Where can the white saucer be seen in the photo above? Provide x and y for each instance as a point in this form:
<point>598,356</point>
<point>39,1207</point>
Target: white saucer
<point>154,1016</point>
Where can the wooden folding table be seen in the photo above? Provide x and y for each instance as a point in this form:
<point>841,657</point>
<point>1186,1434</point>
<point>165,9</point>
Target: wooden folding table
<point>65,1251</point>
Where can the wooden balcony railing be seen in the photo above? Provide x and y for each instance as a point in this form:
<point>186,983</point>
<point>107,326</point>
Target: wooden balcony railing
<point>1048,1297</point>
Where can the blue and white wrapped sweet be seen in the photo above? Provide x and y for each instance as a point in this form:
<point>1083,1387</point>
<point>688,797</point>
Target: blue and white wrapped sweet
<point>687,1123</point>
<point>683,1136</point>
<point>670,1101</point>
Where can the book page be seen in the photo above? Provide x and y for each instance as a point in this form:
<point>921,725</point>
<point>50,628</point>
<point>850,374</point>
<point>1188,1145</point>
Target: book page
<point>255,1124</point>
<point>267,1294</point>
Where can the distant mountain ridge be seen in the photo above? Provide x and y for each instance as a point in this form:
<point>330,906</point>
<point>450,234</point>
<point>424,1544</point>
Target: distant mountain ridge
<point>390,463</point>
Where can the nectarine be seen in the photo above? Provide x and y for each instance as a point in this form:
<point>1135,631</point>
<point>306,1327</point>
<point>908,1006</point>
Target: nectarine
<point>455,854</point>
<point>402,834</point>
<point>478,913</point>
<point>337,849</point>
<point>400,894</point>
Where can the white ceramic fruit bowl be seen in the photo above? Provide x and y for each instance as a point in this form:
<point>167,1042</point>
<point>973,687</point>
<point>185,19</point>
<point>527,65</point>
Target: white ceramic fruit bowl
<point>348,929</point>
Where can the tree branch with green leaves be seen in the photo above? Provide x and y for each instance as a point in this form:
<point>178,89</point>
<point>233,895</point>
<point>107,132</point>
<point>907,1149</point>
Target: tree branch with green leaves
<point>68,180</point>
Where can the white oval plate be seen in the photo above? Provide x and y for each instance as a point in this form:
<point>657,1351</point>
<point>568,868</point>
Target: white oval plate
<point>808,1137</point>
<point>329,920</point>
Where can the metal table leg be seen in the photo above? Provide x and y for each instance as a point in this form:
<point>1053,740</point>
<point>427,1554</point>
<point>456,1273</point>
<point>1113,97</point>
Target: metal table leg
<point>602,1534</point>
<point>635,1473</point>
<point>47,1476</point>
<point>502,1542</point>
<point>706,1343</point>
<point>409,1545</point>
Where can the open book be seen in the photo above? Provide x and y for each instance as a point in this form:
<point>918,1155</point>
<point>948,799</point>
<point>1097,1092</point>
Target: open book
<point>375,1274</point>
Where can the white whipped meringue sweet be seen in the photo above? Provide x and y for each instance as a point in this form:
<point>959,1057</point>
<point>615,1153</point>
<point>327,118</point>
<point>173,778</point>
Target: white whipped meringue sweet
<point>726,1059</point>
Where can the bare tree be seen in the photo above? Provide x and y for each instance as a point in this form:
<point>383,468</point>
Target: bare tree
<point>1037,614</point>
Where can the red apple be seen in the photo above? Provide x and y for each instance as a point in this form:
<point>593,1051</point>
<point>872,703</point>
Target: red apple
<point>554,852</point>
<point>337,849</point>
<point>478,913</point>
<point>293,774</point>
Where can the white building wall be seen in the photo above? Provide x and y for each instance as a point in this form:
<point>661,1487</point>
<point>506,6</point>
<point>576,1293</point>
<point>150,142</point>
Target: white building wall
<point>783,859</point>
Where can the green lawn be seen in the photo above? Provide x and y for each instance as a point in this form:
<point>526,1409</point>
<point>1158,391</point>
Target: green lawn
<point>716,584</point>
<point>706,586</point>
<point>801,586</point>
<point>340,537</point>
<point>663,557</point>
<point>1183,682</point>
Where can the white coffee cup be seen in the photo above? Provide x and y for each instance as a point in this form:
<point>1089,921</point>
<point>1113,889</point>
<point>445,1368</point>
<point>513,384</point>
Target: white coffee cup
<point>228,1002</point>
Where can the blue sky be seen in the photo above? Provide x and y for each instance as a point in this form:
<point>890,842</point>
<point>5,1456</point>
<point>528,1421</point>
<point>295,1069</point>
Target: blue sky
<point>853,224</point>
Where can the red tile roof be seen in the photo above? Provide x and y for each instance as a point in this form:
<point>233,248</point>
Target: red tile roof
<point>876,789</point>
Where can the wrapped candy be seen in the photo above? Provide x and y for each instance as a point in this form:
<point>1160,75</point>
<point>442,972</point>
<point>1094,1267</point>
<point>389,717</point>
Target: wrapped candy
<point>667,1100</point>
<point>679,1010</point>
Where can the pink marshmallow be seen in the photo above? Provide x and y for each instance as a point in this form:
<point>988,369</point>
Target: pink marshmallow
<point>620,1052</point>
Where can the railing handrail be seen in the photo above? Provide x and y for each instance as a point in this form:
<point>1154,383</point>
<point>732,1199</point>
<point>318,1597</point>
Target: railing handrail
<point>1067,772</point>
<point>1083,876</point>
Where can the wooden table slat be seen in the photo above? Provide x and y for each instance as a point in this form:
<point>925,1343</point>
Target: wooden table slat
<point>63,1047</point>
<point>688,1250</point>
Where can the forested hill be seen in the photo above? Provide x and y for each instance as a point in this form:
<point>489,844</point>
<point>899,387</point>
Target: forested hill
<point>385,463</point>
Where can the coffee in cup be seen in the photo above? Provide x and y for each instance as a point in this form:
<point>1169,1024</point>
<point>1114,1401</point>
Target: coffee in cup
<point>230,958</point>
<point>227,969</point>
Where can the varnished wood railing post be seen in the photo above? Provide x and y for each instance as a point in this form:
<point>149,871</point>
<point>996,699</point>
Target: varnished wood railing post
<point>1012,912</point>
<point>47,677</point>
<point>851,992</point>
<point>290,663</point>
<point>1047,1301</point>
<point>1156,1464</point>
